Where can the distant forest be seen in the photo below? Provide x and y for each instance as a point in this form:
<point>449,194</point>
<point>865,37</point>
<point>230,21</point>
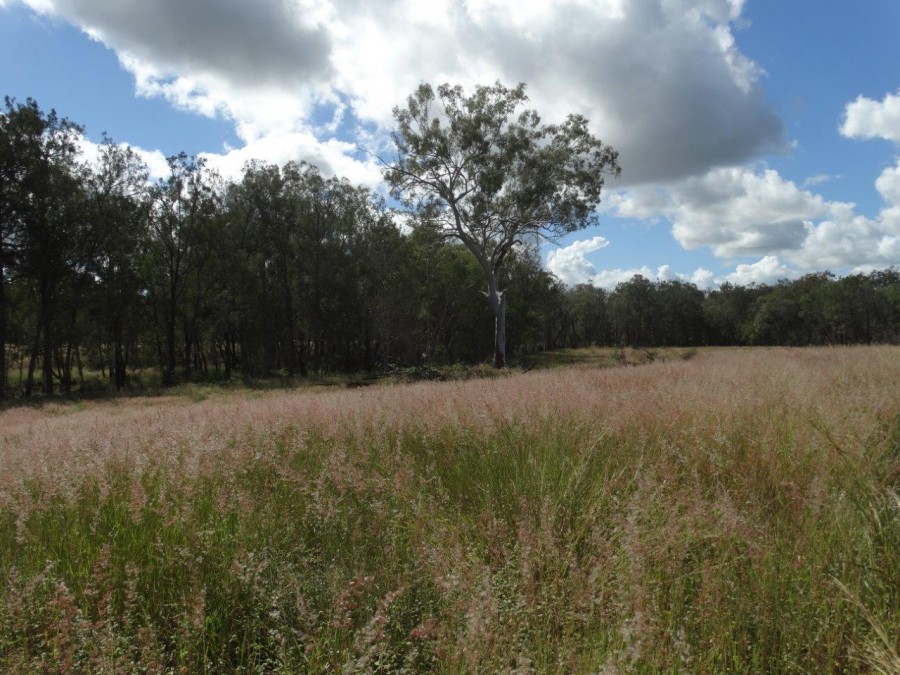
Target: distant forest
<point>284,272</point>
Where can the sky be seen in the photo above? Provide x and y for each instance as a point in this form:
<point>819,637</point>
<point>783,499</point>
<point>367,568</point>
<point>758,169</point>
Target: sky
<point>759,139</point>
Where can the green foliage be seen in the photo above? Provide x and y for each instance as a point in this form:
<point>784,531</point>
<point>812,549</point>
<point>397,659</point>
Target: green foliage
<point>478,170</point>
<point>110,283</point>
<point>815,309</point>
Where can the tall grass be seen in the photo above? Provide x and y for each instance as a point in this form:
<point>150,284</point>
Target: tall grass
<point>736,512</point>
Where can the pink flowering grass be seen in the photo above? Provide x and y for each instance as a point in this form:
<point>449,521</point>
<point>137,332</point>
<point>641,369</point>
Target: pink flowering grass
<point>735,512</point>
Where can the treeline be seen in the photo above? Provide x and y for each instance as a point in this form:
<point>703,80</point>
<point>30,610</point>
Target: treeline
<point>104,273</point>
<point>816,309</point>
<point>193,277</point>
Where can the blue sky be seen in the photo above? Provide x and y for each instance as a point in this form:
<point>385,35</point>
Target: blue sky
<point>758,139</point>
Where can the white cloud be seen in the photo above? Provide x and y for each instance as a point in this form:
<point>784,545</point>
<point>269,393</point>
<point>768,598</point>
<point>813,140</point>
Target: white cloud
<point>865,118</point>
<point>267,65</point>
<point>157,166</point>
<point>702,278</point>
<point>766,270</point>
<point>888,185</point>
<point>262,43</point>
<point>332,157</point>
<point>641,203</point>
<point>571,265</point>
<point>740,212</point>
<point>849,239</point>
<point>609,279</point>
<point>818,179</point>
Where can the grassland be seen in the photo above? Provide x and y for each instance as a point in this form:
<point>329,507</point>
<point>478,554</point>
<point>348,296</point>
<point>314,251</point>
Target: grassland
<point>734,512</point>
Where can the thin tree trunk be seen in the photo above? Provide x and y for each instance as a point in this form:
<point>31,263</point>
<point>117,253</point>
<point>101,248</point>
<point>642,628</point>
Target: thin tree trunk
<point>169,372</point>
<point>171,319</point>
<point>188,345</point>
<point>288,345</point>
<point>368,358</point>
<point>497,300</point>
<point>80,367</point>
<point>113,336</point>
<point>67,370</point>
<point>21,365</point>
<point>227,356</point>
<point>119,365</point>
<point>202,365</point>
<point>29,384</point>
<point>47,357</point>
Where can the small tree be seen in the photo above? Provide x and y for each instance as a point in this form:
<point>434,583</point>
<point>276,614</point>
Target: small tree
<point>476,170</point>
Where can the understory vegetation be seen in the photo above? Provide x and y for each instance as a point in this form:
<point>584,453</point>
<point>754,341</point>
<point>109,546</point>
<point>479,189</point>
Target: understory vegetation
<point>729,511</point>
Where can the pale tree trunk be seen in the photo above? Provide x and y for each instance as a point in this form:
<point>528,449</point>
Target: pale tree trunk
<point>497,300</point>
<point>495,296</point>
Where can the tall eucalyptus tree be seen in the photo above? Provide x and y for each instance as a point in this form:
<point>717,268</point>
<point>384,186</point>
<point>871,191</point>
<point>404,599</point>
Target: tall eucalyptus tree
<point>478,169</point>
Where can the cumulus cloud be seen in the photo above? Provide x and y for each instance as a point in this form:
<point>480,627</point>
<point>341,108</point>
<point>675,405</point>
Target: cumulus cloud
<point>663,81</point>
<point>273,42</point>
<point>889,218</point>
<point>865,118</point>
<point>738,212</point>
<point>853,240</point>
<point>743,212</point>
<point>572,266</point>
<point>734,211</point>
<point>332,157</point>
<point>703,278</point>
<point>610,278</point>
<point>766,270</point>
<point>570,263</point>
<point>848,239</point>
<point>157,166</point>
<point>888,185</point>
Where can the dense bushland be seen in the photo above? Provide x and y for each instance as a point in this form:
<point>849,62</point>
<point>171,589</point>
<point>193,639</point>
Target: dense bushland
<point>735,512</point>
<point>108,280</point>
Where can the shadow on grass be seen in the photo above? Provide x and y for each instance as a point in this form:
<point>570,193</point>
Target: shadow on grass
<point>604,357</point>
<point>147,383</point>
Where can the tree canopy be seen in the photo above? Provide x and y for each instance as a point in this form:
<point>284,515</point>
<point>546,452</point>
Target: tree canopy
<point>483,171</point>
